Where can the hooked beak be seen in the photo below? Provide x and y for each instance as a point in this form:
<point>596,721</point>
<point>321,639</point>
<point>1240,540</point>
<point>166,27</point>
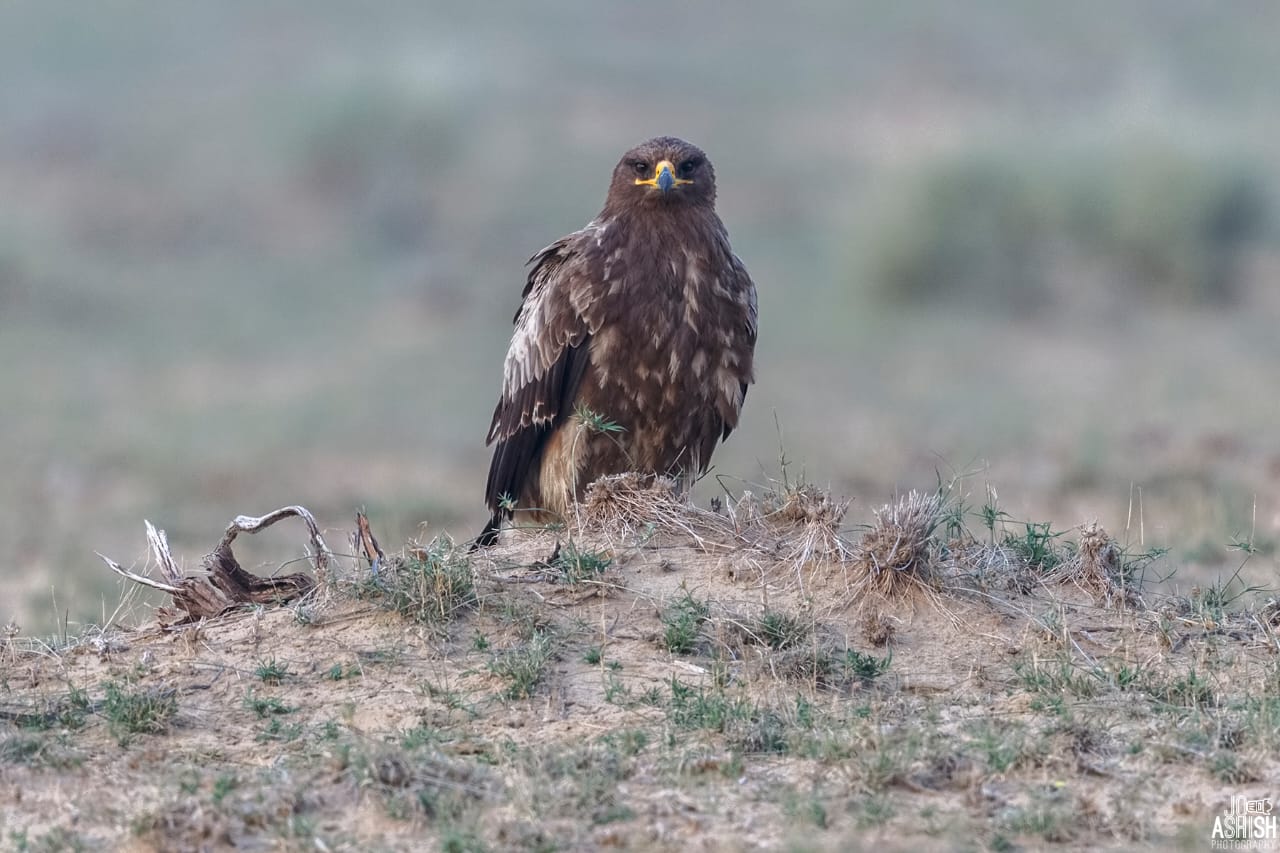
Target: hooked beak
<point>664,178</point>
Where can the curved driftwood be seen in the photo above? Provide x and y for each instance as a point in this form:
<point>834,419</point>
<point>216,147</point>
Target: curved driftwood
<point>224,584</point>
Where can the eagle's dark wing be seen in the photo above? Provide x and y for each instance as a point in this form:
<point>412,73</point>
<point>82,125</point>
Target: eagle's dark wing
<point>544,366</point>
<point>744,336</point>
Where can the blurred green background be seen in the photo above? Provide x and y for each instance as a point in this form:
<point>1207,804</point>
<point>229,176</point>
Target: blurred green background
<point>255,253</point>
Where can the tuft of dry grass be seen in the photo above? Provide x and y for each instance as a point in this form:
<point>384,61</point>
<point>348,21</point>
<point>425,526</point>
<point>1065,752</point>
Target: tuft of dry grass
<point>432,583</point>
<point>1097,567</point>
<point>792,526</point>
<point>895,556</point>
<point>629,499</point>
<point>804,521</point>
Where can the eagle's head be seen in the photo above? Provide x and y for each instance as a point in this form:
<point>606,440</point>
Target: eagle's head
<point>663,171</point>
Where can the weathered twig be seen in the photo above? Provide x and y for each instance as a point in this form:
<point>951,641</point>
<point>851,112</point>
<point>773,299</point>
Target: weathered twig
<point>249,524</point>
<point>160,550</point>
<point>364,540</point>
<point>225,584</point>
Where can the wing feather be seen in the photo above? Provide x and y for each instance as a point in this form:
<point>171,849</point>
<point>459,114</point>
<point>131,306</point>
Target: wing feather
<point>544,366</point>
<point>743,339</point>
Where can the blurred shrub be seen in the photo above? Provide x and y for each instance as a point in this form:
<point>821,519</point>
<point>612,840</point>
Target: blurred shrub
<point>370,149</point>
<point>963,231</point>
<point>1174,226</point>
<point>13,281</point>
<point>1024,231</point>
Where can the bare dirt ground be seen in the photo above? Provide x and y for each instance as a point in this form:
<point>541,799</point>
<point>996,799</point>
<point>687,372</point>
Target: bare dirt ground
<point>659,677</point>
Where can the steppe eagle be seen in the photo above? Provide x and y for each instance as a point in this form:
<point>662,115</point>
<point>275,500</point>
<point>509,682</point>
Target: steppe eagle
<point>633,344</point>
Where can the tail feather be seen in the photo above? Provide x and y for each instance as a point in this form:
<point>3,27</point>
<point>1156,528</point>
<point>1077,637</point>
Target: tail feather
<point>488,536</point>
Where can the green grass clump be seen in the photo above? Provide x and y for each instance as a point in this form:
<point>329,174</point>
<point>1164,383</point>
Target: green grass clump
<point>271,671</point>
<point>696,708</point>
<point>523,668</point>
<point>780,630</point>
<point>1036,544</point>
<point>266,706</point>
<point>144,711</point>
<point>37,750</point>
<point>866,667</point>
<point>576,565</point>
<point>1187,691</point>
<point>434,585</point>
<point>681,624</point>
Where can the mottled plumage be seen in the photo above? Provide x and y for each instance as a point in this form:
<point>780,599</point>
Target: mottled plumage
<point>644,318</point>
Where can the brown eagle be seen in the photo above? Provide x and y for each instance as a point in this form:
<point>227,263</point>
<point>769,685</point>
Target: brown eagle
<point>633,344</point>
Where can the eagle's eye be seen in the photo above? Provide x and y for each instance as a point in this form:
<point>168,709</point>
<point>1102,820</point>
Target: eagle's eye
<point>687,167</point>
<point>640,166</point>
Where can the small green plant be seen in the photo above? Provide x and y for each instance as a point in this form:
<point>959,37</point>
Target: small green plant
<point>681,623</point>
<point>807,809</point>
<point>131,712</point>
<point>631,742</point>
<point>1127,676</point>
<point>696,708</point>
<point>306,613</point>
<point>266,706</point>
<point>866,667</point>
<point>57,840</point>
<point>338,672</point>
<point>764,734</point>
<point>22,749</point>
<point>615,692</point>
<point>271,671</point>
<point>1213,602</point>
<point>520,616</point>
<point>37,750</point>
<point>72,713</point>
<point>576,566</point>
<point>1001,746</point>
<point>68,712</point>
<point>224,785</point>
<point>1188,691</point>
<point>1035,545</point>
<point>277,730</point>
<point>434,585</point>
<point>593,655</point>
<point>1134,564</point>
<point>1059,676</point>
<point>1228,767</point>
<point>875,811</point>
<point>804,712</point>
<point>780,630</point>
<point>455,840</point>
<point>991,515</point>
<point>419,736</point>
<point>595,422</point>
<point>523,668</point>
<point>1048,816</point>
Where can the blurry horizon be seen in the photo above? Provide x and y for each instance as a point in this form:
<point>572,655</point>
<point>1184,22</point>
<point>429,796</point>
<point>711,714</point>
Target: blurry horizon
<point>255,255</point>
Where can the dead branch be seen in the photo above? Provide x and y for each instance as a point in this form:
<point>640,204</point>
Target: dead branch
<point>224,584</point>
<point>364,541</point>
<point>249,524</point>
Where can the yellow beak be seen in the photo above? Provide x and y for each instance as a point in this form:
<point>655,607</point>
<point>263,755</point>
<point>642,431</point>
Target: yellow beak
<point>664,178</point>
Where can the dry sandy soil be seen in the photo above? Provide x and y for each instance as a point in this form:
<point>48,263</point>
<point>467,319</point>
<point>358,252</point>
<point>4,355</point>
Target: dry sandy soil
<point>659,677</point>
